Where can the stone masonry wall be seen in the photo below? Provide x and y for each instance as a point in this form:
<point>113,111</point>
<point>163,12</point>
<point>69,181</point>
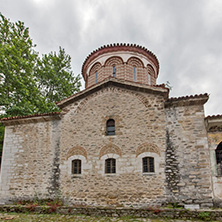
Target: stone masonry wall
<point>29,161</point>
<point>140,131</point>
<point>188,172</point>
<point>214,139</point>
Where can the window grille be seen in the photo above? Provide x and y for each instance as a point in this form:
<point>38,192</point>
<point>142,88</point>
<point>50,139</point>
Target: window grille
<point>110,165</point>
<point>76,166</point>
<point>110,127</point>
<point>148,165</point>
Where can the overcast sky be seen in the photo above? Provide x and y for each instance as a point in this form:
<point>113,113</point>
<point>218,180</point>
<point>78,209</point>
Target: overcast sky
<point>185,35</point>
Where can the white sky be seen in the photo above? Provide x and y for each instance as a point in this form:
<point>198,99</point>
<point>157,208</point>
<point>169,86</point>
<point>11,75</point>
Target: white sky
<point>185,35</point>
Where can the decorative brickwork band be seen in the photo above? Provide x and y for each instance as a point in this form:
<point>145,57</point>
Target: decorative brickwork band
<point>111,148</point>
<point>77,150</point>
<point>147,147</point>
<point>135,62</point>
<point>115,60</point>
<point>96,67</point>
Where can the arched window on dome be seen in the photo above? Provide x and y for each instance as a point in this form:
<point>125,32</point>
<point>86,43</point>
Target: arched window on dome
<point>148,165</point>
<point>218,153</point>
<point>149,79</point>
<point>110,165</point>
<point>134,74</point>
<point>76,166</point>
<point>96,77</point>
<point>114,71</point>
<point>110,127</point>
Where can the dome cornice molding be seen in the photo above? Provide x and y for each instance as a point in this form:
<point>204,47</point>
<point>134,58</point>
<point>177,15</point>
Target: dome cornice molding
<point>119,47</point>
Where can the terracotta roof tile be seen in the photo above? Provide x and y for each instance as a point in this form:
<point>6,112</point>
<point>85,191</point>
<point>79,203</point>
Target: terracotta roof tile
<point>172,99</point>
<point>214,116</point>
<point>29,116</point>
<point>104,80</point>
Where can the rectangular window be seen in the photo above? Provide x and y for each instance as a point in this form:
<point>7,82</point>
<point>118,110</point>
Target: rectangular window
<point>110,165</point>
<point>76,166</point>
<point>96,77</point>
<point>148,164</point>
<point>134,74</point>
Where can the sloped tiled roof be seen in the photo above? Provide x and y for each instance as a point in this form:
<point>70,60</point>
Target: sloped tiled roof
<point>115,82</point>
<point>14,118</point>
<point>187,100</point>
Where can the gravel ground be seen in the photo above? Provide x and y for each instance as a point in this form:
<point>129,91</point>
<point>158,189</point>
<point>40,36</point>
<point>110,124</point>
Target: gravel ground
<point>80,218</point>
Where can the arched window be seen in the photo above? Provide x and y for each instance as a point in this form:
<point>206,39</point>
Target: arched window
<point>149,79</point>
<point>76,166</point>
<point>134,74</point>
<point>110,127</point>
<point>96,77</point>
<point>110,165</point>
<point>219,159</point>
<point>114,71</point>
<point>148,165</point>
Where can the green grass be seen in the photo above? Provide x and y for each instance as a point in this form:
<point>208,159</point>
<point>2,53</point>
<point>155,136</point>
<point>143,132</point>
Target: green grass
<point>18,217</point>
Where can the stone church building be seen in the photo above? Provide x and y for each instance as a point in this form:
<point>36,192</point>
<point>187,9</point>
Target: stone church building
<point>120,142</point>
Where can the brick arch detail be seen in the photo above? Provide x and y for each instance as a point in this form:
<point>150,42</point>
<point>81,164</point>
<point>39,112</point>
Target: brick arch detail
<point>135,62</point>
<point>110,148</point>
<point>139,96</point>
<point>77,150</point>
<point>151,70</point>
<point>97,66</point>
<point>114,60</point>
<point>147,147</point>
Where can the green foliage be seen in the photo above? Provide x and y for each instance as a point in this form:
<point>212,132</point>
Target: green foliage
<point>29,83</point>
<point>55,77</point>
<point>17,61</point>
<point>204,216</point>
<point>174,205</point>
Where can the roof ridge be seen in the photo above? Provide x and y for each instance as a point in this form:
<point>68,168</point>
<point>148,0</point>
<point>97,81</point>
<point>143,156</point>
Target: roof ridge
<point>111,78</point>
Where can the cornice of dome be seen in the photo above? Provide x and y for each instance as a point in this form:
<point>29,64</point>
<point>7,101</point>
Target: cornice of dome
<point>119,47</point>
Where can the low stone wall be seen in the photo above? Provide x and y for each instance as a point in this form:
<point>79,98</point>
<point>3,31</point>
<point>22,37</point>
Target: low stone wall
<point>206,215</point>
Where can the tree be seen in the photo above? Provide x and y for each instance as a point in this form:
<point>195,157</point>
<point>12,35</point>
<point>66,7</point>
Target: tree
<point>28,83</point>
<point>17,62</point>
<point>55,77</point>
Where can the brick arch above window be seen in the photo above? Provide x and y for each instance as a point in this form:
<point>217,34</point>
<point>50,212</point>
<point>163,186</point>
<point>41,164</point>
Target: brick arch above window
<point>77,150</point>
<point>95,68</point>
<point>114,60</point>
<point>151,70</point>
<point>135,62</point>
<point>147,147</point>
<point>108,149</point>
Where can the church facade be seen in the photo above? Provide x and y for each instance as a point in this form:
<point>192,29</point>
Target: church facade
<point>121,142</point>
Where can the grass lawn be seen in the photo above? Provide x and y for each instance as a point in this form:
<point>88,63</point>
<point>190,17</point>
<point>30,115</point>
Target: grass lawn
<point>18,217</point>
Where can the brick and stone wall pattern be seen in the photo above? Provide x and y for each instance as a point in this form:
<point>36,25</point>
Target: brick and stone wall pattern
<point>140,120</point>
<point>188,170</point>
<point>124,70</point>
<point>29,151</point>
